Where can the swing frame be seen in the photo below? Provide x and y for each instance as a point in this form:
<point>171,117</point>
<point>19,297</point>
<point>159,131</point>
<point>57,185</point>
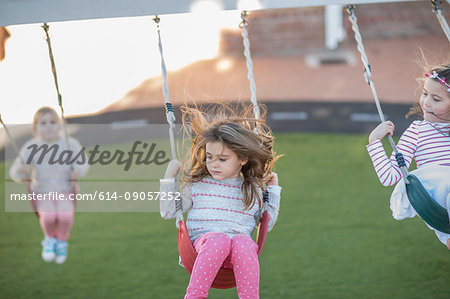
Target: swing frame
<point>40,11</point>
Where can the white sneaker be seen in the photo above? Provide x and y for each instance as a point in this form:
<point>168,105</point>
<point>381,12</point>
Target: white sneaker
<point>48,249</point>
<point>61,251</point>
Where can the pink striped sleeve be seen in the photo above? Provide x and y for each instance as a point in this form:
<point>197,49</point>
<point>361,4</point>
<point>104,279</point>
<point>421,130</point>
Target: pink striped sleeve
<point>386,168</point>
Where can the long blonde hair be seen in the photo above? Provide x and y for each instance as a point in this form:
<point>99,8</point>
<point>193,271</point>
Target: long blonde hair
<point>247,137</point>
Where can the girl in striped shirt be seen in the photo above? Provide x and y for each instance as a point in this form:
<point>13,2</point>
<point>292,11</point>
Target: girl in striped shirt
<point>426,141</point>
<point>225,170</point>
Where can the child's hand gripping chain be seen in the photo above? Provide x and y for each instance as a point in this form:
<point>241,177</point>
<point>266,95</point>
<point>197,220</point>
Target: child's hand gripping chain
<point>427,142</point>
<point>223,176</point>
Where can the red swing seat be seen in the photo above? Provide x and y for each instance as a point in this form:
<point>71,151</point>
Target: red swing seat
<point>225,277</point>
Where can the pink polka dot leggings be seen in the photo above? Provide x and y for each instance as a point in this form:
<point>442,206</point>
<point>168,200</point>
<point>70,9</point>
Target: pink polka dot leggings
<point>217,249</point>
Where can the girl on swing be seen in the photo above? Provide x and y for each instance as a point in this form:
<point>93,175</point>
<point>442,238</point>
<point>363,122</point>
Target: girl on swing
<point>427,141</point>
<point>224,172</point>
<point>55,216</point>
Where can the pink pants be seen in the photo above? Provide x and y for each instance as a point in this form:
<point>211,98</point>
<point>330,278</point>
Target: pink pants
<point>217,249</point>
<point>56,218</point>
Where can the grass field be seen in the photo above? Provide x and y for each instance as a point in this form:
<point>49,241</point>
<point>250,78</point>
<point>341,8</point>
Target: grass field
<point>335,238</point>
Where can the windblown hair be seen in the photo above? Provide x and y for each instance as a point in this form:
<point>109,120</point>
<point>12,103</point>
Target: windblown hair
<point>443,71</point>
<point>41,111</point>
<point>248,137</point>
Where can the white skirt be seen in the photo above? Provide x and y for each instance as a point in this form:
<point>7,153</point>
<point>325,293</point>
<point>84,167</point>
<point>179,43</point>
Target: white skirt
<point>436,180</point>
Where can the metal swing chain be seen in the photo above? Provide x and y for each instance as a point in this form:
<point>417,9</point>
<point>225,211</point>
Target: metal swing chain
<point>368,76</point>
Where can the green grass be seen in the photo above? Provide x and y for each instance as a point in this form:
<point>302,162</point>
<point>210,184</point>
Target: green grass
<point>335,238</point>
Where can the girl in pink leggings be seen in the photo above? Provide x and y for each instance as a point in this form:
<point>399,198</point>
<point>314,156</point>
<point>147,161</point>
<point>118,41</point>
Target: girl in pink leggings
<point>227,167</point>
<point>51,182</point>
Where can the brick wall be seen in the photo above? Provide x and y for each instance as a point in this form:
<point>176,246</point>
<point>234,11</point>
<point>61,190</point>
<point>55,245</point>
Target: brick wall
<point>296,31</point>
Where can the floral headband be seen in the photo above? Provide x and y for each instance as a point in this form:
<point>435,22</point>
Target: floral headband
<point>435,75</point>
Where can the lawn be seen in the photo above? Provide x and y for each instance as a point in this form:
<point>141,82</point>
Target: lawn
<point>334,238</point>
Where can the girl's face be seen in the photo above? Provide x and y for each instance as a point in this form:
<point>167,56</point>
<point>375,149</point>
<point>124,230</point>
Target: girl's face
<point>47,127</point>
<point>222,162</point>
<point>435,102</point>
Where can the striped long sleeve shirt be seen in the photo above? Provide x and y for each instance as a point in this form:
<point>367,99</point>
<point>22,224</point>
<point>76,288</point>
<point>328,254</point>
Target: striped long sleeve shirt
<point>427,143</point>
<point>216,206</point>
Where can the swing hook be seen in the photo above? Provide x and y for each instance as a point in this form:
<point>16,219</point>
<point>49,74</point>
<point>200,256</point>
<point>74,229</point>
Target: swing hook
<point>435,4</point>
<point>45,27</point>
<point>350,9</point>
<point>244,22</point>
<point>157,20</point>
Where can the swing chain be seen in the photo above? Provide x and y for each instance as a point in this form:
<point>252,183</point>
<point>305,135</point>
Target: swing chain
<point>249,63</point>
<point>170,116</point>
<point>368,75</point>
<point>46,27</point>
<point>365,61</point>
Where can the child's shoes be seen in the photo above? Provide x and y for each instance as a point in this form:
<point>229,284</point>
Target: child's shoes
<point>48,249</point>
<point>61,251</point>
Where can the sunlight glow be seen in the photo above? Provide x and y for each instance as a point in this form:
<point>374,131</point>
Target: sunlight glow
<point>99,61</point>
<point>224,65</point>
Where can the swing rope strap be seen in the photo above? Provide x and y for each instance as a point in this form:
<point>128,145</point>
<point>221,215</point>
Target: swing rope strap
<point>438,11</point>
<point>169,108</point>
<point>251,78</point>
<point>55,78</point>
<point>170,116</point>
<point>249,62</point>
<point>368,77</point>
